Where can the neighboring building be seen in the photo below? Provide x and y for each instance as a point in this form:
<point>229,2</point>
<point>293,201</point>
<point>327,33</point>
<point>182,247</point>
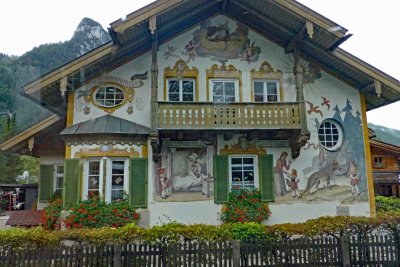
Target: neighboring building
<point>385,167</point>
<point>192,98</point>
<point>18,196</point>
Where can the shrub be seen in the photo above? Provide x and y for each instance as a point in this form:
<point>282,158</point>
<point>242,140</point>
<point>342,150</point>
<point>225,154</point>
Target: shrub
<point>387,204</point>
<point>33,237</point>
<point>52,212</point>
<point>248,231</point>
<point>244,206</point>
<point>96,213</point>
<point>175,232</point>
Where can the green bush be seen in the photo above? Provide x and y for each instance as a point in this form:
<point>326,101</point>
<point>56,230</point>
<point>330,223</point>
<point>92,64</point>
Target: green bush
<point>175,232</point>
<point>34,237</point>
<point>96,213</point>
<point>249,231</point>
<point>244,206</point>
<point>387,204</point>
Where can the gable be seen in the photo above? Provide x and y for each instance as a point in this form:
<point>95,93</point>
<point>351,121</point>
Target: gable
<point>284,21</point>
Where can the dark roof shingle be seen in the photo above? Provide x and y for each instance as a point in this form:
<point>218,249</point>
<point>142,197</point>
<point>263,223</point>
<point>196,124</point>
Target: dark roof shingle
<point>25,218</point>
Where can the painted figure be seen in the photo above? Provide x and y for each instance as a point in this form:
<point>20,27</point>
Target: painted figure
<point>293,183</point>
<point>248,53</point>
<point>280,167</point>
<point>165,184</point>
<point>354,179</point>
<point>194,176</point>
<point>190,49</point>
<point>325,172</point>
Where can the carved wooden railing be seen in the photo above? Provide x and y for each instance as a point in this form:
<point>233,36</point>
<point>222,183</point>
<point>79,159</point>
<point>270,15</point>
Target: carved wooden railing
<point>206,115</point>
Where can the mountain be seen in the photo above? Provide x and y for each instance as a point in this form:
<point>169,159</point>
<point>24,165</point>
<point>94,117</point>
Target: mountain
<point>387,135</point>
<point>88,35</point>
<point>17,71</point>
<point>18,113</point>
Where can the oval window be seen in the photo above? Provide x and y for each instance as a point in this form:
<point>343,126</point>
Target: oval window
<point>109,96</point>
<point>330,135</point>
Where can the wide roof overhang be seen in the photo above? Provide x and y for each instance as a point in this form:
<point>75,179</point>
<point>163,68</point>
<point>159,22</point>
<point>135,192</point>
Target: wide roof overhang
<point>282,21</point>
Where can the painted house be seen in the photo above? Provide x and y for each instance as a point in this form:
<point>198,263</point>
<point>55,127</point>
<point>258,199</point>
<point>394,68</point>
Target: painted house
<point>193,98</point>
<point>385,159</point>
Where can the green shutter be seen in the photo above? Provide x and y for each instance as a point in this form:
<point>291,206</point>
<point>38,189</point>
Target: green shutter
<point>221,178</point>
<point>46,182</point>
<point>267,178</point>
<point>138,183</point>
<point>72,173</point>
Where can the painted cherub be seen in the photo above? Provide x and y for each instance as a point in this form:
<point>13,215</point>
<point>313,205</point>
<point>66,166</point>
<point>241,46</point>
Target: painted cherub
<point>190,49</point>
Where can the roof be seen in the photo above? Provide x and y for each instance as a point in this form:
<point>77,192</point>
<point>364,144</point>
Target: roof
<point>25,218</point>
<point>388,177</point>
<point>282,21</point>
<point>386,146</point>
<point>106,125</point>
<point>30,132</point>
<point>34,185</point>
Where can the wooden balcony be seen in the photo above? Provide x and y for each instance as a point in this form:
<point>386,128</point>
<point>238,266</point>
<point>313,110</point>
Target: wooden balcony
<point>206,115</point>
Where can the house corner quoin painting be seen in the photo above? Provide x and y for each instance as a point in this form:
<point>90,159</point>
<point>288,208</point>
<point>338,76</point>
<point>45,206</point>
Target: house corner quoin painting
<point>206,102</point>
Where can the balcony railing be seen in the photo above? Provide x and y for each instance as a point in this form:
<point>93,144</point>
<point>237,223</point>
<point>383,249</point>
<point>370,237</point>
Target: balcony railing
<point>206,115</point>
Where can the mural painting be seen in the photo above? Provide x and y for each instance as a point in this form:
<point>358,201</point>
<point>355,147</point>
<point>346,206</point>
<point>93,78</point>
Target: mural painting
<point>85,95</point>
<point>331,175</point>
<point>184,175</point>
<point>221,42</point>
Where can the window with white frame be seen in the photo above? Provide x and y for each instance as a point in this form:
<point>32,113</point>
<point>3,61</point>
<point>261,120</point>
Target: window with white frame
<point>109,172</point>
<point>224,90</point>
<point>109,96</point>
<point>181,90</point>
<point>243,172</point>
<point>330,134</point>
<point>58,178</point>
<point>266,90</point>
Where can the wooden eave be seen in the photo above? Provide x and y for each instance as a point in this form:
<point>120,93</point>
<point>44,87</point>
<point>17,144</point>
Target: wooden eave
<point>25,135</point>
<point>382,145</point>
<point>67,69</point>
<point>143,14</point>
<point>279,20</point>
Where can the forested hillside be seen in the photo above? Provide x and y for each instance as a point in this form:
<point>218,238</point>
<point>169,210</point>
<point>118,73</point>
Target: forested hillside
<point>18,113</point>
<point>387,135</point>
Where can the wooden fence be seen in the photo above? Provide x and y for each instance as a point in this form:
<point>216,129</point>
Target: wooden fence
<point>353,251</point>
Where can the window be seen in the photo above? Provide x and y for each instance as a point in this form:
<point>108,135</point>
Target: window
<point>243,172</point>
<point>181,90</point>
<point>378,162</point>
<point>181,82</point>
<point>224,90</point>
<point>58,178</point>
<point>109,96</point>
<point>93,178</point>
<point>330,135</point>
<point>109,172</point>
<point>117,179</point>
<point>266,90</point>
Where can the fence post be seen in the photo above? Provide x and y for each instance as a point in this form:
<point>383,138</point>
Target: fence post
<point>345,247</point>
<point>236,253</point>
<point>117,257</point>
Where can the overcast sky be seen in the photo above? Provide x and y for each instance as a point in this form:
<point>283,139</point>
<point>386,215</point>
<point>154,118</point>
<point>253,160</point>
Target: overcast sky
<point>374,25</point>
